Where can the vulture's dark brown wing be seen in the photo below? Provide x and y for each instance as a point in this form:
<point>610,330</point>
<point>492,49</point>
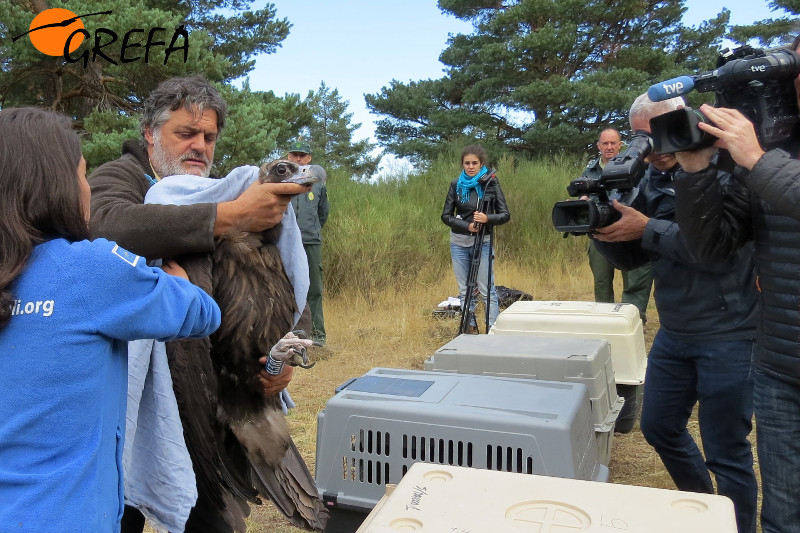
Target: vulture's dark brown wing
<point>257,303</point>
<point>291,488</point>
<point>222,490</point>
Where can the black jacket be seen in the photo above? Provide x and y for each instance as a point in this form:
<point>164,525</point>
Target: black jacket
<point>458,215</point>
<point>696,302</point>
<point>762,207</point>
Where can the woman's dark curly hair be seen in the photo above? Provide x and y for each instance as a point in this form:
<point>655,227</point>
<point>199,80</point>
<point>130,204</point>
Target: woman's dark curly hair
<point>476,150</point>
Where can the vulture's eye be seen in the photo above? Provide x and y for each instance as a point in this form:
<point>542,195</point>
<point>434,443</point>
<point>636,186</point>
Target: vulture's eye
<point>281,169</point>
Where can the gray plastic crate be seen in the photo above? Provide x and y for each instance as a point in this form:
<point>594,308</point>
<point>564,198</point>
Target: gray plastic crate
<point>378,425</point>
<point>575,360</point>
<point>586,361</point>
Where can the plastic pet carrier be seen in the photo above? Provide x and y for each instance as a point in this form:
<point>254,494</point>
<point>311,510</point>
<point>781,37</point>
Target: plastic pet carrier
<point>441,498</point>
<point>570,359</point>
<point>376,426</point>
<point>619,324</point>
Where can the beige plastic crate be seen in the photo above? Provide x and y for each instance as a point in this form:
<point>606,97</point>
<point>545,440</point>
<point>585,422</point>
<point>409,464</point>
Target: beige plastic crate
<point>439,498</point>
<point>619,324</point>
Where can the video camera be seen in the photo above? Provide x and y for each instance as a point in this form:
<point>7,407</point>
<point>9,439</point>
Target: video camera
<point>622,174</point>
<point>756,82</point>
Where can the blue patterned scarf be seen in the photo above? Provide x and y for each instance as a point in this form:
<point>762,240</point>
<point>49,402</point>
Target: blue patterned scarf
<point>466,184</point>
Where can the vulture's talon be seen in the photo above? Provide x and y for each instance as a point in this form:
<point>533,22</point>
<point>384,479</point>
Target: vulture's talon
<point>300,358</point>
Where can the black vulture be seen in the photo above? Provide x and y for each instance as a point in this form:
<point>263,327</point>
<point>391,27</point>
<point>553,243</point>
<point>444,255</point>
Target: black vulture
<point>238,438</point>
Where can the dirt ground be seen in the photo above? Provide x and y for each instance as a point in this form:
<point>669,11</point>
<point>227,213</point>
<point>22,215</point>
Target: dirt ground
<point>364,335</point>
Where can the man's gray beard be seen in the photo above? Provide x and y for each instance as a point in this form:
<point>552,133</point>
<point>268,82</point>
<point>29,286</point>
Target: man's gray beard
<point>165,164</point>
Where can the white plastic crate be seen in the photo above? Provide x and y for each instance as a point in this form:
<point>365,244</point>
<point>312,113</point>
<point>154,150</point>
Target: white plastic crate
<point>619,324</point>
<point>438,498</point>
<point>575,360</point>
<point>378,425</point>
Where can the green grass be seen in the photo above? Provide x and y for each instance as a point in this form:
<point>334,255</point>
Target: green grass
<point>391,234</point>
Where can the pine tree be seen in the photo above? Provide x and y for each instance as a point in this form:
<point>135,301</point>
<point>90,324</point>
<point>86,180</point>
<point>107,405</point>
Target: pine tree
<point>542,75</point>
<point>331,134</point>
<point>772,31</point>
<point>260,125</point>
<point>215,38</point>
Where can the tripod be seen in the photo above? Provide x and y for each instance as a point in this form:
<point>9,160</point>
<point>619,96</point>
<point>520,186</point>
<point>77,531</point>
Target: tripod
<point>485,205</point>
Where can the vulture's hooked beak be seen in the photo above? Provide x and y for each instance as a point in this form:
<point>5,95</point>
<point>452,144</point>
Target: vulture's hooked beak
<point>284,171</point>
<point>306,175</point>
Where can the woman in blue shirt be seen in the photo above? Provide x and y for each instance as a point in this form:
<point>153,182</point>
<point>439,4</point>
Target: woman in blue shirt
<point>67,308</point>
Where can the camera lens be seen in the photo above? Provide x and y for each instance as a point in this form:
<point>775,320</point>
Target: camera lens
<point>677,131</point>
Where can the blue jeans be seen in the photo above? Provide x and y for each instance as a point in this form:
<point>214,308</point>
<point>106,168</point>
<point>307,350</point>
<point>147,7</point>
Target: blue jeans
<point>461,257</point>
<point>777,407</point>
<point>717,376</point>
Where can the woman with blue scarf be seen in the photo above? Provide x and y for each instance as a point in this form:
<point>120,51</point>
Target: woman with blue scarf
<point>462,215</point>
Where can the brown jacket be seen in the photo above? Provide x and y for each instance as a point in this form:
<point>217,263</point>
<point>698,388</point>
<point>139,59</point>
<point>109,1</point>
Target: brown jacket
<point>152,231</point>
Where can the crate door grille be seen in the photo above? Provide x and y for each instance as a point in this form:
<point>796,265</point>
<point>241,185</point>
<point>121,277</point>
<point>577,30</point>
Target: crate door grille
<point>441,451</point>
<point>367,446</point>
<point>356,468</point>
<point>508,459</point>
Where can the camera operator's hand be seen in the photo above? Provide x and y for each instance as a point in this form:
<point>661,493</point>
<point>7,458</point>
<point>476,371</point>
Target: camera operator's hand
<point>735,133</point>
<point>628,228</point>
<point>695,160</point>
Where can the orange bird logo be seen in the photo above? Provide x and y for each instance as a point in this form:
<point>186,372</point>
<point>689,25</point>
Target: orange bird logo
<point>50,30</point>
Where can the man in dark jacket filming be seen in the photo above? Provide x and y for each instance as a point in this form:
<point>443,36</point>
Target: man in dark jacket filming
<point>635,284</point>
<point>701,353</point>
<point>721,217</point>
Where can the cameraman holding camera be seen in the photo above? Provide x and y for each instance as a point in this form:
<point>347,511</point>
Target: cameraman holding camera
<point>720,217</point>
<point>701,353</point>
<point>636,284</point>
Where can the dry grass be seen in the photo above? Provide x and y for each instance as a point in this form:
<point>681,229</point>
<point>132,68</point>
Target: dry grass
<point>397,330</point>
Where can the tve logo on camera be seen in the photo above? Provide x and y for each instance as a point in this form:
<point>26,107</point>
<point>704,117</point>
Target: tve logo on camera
<point>59,32</point>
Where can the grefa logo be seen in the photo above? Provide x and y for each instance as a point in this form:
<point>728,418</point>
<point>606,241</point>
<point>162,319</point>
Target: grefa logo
<point>59,32</point>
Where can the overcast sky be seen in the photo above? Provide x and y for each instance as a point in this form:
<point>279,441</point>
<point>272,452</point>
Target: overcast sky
<point>360,46</point>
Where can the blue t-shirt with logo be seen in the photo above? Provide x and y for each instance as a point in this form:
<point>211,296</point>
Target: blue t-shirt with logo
<point>63,369</point>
